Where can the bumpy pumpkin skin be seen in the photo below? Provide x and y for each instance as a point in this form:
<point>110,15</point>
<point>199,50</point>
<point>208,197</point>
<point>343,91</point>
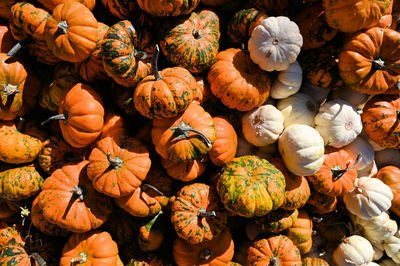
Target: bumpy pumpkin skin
<point>237,81</point>
<point>354,15</point>
<point>322,203</point>
<point>8,232</point>
<point>276,221</point>
<point>168,8</point>
<point>381,117</point>
<point>193,43</point>
<point>189,213</point>
<point>390,175</point>
<point>250,186</point>
<point>314,262</point>
<point>301,231</point>
<point>263,251</point>
<point>13,253</point>
<point>365,61</point>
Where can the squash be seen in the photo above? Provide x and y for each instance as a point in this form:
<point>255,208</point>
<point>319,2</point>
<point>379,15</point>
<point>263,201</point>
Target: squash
<point>168,8</point>
<point>6,39</point>
<point>151,233</point>
<point>51,4</point>
<point>353,97</point>
<point>301,232</point>
<point>5,8</point>
<point>271,48</point>
<point>390,175</point>
<point>322,204</point>
<point>353,250</point>
<point>122,9</point>
<point>185,170</point>
<point>8,210</point>
<point>13,253</point>
<point>288,82</point>
<point>307,261</point>
<point>392,246</point>
<point>225,146</point>
<point>377,229</point>
<point>274,222</point>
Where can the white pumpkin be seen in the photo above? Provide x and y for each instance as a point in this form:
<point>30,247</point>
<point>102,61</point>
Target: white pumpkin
<point>386,157</point>
<point>354,250</point>
<point>353,97</point>
<point>392,248</point>
<point>244,148</point>
<point>370,197</point>
<point>302,149</point>
<point>298,109</point>
<point>338,123</point>
<point>378,250</point>
<point>262,125</point>
<point>275,43</point>
<point>318,94</point>
<point>288,82</point>
<point>360,146</point>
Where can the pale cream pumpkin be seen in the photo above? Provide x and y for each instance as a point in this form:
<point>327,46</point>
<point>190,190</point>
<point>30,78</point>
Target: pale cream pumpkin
<point>360,146</point>
<point>392,248</point>
<point>354,250</point>
<point>275,43</point>
<point>338,123</point>
<point>262,125</point>
<point>288,82</point>
<point>378,250</point>
<point>302,149</point>
<point>370,197</point>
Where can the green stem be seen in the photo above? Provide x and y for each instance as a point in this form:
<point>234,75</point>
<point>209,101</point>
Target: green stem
<point>63,116</point>
<point>115,162</point>
<point>155,63</point>
<point>183,129</point>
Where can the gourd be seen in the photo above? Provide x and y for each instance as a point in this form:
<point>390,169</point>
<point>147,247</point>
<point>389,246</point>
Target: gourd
<point>390,175</point>
<point>288,82</point>
<point>354,250</point>
<point>168,8</point>
<point>225,146</point>
<point>392,247</point>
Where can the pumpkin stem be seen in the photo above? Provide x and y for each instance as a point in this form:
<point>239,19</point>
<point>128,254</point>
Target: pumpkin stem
<point>62,27</point>
<point>197,34</point>
<point>25,213</point>
<point>183,129</point>
<point>82,258</point>
<point>378,64</point>
<point>140,55</point>
<point>78,192</point>
<point>338,173</point>
<point>63,116</point>
<point>153,188</point>
<point>317,219</point>
<point>15,49</point>
<point>40,261</point>
<point>115,162</point>
<point>9,89</point>
<point>203,213</point>
<point>205,254</point>
<point>274,261</point>
<point>154,64</point>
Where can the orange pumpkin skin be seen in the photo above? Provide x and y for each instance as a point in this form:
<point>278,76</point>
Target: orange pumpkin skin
<point>314,262</point>
<point>219,251</point>
<point>276,221</point>
<point>365,61</point>
<point>13,253</point>
<point>381,117</point>
<point>390,175</point>
<point>386,20</point>
<point>186,170</point>
<point>114,126</point>
<point>117,168</point>
<point>51,4</point>
<point>8,232</point>
<point>69,200</point>
<point>224,147</point>
<point>168,8</point>
<point>179,148</point>
<point>354,15</point>
<point>71,32</point>
<point>237,81</point>
<point>301,231</point>
<point>322,203</point>
<point>91,248</point>
<point>6,39</point>
<point>281,248</point>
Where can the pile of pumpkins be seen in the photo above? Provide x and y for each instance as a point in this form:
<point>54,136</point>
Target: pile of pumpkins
<point>199,132</point>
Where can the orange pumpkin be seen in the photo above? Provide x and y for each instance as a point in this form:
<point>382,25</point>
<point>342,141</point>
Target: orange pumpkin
<point>322,203</point>
<point>301,231</point>
<point>51,4</point>
<point>186,170</point>
<point>390,175</point>
<point>224,148</point>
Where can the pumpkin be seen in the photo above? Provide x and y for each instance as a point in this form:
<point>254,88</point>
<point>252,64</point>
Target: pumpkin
<point>367,62</point>
<point>302,149</point>
<point>9,232</point>
<point>354,15</point>
<point>392,246</point>
<point>120,8</point>
<point>250,186</point>
<point>353,250</point>
<point>125,53</point>
<point>168,8</point>
<point>301,231</point>
<point>68,36</point>
<point>68,200</point>
<point>237,81</point>
<point>313,27</point>
<point>165,94</point>
<point>369,197</point>
<point>56,152</point>
<point>275,221</point>
<point>185,170</point>
<point>186,137</point>
<point>117,168</point>
<point>218,251</point>
<point>225,146</point>
<point>90,248</point>
<point>276,250</point>
<point>114,126</point>
<point>13,253</point>
<point>288,82</point>
<point>381,117</point>
<point>297,190</point>
<point>50,5</point>
<point>298,108</point>
<point>151,234</point>
<point>192,42</point>
<point>322,203</point>
<point>386,20</point>
<point>377,229</point>
<point>81,115</point>
<point>307,261</point>
<point>271,48</point>
<point>262,125</point>
<point>390,175</point>
<point>366,151</point>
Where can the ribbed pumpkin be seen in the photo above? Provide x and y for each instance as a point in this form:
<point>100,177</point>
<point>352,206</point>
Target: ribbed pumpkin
<point>168,8</point>
<point>186,137</point>
<point>197,214</point>
<point>114,126</point>
<point>185,170</point>
<point>120,8</point>
<point>51,4</point>
<point>13,253</point>
<point>71,32</point>
<point>237,81</point>
<point>69,200</point>
<point>8,232</point>
<point>381,120</point>
<point>276,250</point>
<point>166,93</point>
<point>368,62</point>
<point>390,175</point>
<point>193,42</point>
<point>225,146</point>
<point>322,203</point>
<point>81,115</point>
<point>301,231</point>
<point>118,167</point>
<point>126,51</point>
<point>250,186</point>
<point>276,221</point>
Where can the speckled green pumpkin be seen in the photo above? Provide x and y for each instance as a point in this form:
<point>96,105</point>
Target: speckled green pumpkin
<point>164,8</point>
<point>194,42</point>
<point>14,253</point>
<point>251,186</point>
<point>126,53</point>
<point>276,221</point>
<point>314,262</point>
<point>20,183</point>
